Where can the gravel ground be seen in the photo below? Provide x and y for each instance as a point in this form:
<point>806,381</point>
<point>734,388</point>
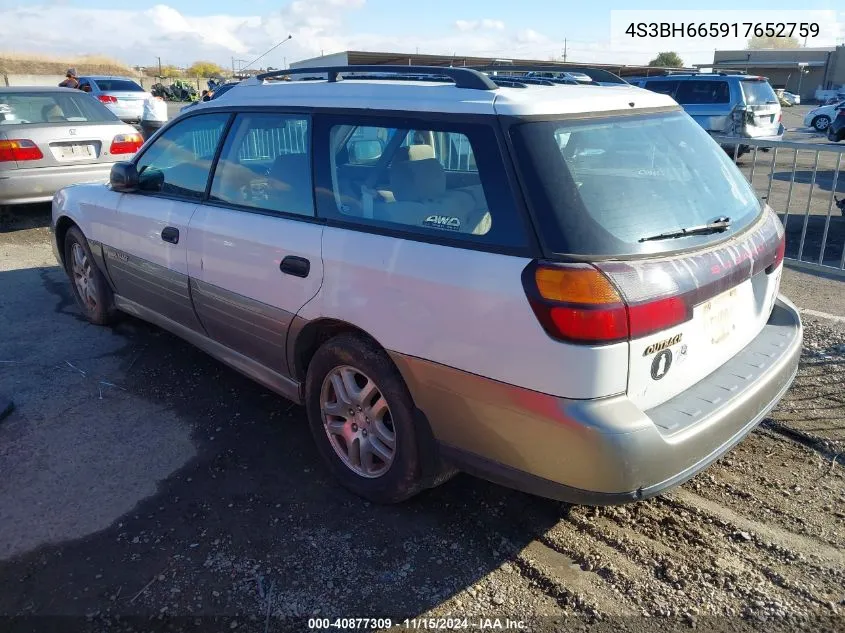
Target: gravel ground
<point>231,518</point>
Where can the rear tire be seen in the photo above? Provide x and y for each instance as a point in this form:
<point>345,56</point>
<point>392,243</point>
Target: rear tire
<point>361,416</point>
<point>90,289</point>
<point>821,123</point>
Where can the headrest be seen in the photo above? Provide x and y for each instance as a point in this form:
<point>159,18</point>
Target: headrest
<point>417,180</point>
<point>414,152</point>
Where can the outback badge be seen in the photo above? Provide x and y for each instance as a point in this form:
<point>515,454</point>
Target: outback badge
<point>657,347</point>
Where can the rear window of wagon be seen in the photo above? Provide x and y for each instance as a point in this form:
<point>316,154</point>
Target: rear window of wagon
<point>599,185</point>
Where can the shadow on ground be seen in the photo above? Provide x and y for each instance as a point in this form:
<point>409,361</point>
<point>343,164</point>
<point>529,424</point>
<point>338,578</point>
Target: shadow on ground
<point>27,216</point>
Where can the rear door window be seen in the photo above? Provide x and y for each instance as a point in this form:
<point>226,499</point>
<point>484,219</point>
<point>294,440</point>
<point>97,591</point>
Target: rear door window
<point>265,164</point>
<point>663,87</point>
<point>695,92</point>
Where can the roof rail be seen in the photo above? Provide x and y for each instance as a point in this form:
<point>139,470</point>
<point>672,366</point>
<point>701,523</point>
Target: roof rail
<point>463,77</point>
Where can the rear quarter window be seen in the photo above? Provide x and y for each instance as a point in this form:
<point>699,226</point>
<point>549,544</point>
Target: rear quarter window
<point>441,181</point>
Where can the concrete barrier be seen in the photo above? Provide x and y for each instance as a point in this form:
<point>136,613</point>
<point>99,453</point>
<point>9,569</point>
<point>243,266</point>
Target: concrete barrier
<point>32,80</point>
<point>201,83</point>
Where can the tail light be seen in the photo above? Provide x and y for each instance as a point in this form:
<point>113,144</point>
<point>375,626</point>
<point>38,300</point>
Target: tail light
<point>126,144</point>
<point>779,254</point>
<point>107,98</point>
<point>19,150</point>
<point>578,303</point>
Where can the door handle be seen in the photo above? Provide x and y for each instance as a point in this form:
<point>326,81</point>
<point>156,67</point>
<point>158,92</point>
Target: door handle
<point>170,234</point>
<point>296,266</point>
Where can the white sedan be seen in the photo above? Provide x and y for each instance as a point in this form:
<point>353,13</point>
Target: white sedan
<point>820,118</point>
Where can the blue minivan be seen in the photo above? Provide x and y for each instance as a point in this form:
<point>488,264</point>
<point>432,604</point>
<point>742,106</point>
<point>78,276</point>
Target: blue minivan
<point>740,106</point>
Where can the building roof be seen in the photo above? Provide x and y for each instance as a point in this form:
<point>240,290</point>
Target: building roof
<point>756,63</point>
<point>802,49</point>
<point>363,58</point>
<point>427,96</point>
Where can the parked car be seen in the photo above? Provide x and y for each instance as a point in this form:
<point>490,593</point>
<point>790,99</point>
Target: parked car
<point>820,118</point>
<point>728,106</point>
<point>836,130</point>
<point>218,92</point>
<point>792,98</point>
<point>569,290</point>
<point>54,137</point>
<point>121,95</point>
<point>569,77</point>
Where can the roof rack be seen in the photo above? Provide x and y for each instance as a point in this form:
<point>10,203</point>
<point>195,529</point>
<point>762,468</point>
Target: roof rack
<point>596,74</point>
<point>463,77</point>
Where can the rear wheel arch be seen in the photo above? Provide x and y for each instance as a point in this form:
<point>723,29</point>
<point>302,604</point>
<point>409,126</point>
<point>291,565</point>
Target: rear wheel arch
<point>433,470</point>
<point>314,333</point>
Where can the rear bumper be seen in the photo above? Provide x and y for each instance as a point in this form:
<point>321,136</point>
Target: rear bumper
<point>24,186</point>
<point>127,112</point>
<point>730,142</point>
<point>605,451</point>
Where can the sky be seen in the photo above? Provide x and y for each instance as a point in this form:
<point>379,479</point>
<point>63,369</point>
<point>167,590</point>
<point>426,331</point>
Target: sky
<point>183,31</point>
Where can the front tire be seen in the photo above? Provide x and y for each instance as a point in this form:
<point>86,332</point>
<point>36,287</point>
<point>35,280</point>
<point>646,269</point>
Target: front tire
<point>362,419</point>
<point>821,123</point>
<point>90,289</point>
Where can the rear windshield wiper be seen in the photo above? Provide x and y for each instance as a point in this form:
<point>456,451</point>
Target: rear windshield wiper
<point>716,226</point>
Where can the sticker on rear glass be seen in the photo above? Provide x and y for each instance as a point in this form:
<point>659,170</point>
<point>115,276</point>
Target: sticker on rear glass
<point>443,222</point>
<point>661,364</point>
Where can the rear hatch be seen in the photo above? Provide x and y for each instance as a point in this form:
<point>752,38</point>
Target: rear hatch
<point>64,128</point>
<point>762,108</point>
<point>621,204</point>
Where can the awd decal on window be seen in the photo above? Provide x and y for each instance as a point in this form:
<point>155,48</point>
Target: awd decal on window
<point>443,222</point>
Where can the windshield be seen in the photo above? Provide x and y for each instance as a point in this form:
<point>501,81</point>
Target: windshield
<point>21,108</point>
<point>598,186</point>
<point>118,85</point>
<point>758,92</point>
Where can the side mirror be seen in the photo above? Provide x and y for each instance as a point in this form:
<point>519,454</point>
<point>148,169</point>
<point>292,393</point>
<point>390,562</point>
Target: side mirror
<point>124,177</point>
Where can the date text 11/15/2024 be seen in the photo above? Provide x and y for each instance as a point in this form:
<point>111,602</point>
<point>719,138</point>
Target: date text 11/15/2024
<point>414,624</point>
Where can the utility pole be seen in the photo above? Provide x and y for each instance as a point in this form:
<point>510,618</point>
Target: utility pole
<point>564,50</point>
<point>233,66</point>
<point>159,66</point>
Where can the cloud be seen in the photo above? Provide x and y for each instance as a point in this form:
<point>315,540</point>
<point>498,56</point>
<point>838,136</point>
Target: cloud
<point>140,36</point>
<point>530,36</point>
<point>476,25</point>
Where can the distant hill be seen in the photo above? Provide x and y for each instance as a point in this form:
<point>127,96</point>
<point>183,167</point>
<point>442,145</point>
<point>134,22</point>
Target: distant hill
<point>30,64</point>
